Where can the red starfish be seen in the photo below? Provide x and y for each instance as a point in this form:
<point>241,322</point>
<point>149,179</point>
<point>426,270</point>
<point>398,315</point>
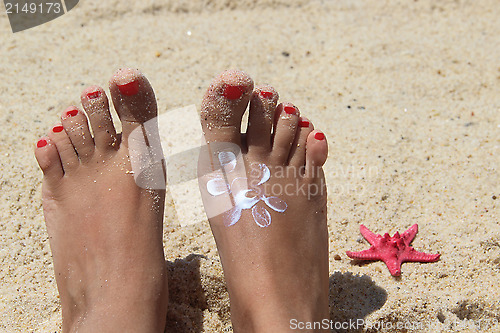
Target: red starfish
<point>393,251</point>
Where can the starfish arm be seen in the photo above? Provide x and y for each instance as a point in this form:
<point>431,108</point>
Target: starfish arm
<point>370,254</point>
<point>409,234</point>
<point>393,265</point>
<point>368,235</point>
<point>413,255</point>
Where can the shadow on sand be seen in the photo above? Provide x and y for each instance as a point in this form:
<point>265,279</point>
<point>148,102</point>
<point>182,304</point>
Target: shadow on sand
<point>186,297</point>
<point>352,299</point>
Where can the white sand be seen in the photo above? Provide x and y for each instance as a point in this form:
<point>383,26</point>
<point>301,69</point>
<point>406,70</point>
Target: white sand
<point>407,93</point>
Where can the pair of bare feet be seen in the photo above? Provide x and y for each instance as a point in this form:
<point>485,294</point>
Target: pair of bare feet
<point>106,232</point>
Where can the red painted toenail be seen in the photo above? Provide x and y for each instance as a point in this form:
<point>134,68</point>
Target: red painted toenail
<point>71,113</point>
<point>319,136</point>
<point>233,92</point>
<point>266,94</point>
<point>290,109</point>
<point>57,129</point>
<point>303,123</point>
<point>94,94</point>
<point>41,143</point>
<point>129,89</point>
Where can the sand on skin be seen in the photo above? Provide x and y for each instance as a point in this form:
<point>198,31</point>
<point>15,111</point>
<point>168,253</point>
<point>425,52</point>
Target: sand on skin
<point>407,94</point>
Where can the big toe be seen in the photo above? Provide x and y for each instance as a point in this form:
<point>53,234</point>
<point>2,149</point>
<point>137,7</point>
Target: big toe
<point>133,98</point>
<point>223,107</point>
<point>134,101</point>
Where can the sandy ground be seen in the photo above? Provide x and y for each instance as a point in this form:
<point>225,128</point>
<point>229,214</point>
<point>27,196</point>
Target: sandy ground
<point>408,94</point>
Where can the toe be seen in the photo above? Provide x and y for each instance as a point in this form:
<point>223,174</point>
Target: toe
<point>297,156</point>
<point>48,159</point>
<point>286,119</point>
<point>261,118</point>
<point>316,152</point>
<point>223,106</point>
<point>76,126</point>
<point>96,105</point>
<point>134,101</point>
<point>67,153</point>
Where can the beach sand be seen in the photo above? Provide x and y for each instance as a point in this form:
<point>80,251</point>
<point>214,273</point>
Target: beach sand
<point>407,93</point>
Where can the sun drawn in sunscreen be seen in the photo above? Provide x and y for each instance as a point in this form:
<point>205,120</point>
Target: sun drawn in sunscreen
<point>244,197</point>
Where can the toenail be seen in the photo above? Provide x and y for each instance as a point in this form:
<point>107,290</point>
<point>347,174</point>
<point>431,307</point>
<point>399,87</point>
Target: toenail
<point>129,89</point>
<point>303,123</point>
<point>233,92</point>
<point>41,143</point>
<point>290,109</point>
<point>266,94</point>
<point>94,94</point>
<point>71,113</point>
<point>57,129</point>
<point>319,136</point>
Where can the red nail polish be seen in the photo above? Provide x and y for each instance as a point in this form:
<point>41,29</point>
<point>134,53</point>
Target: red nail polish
<point>129,89</point>
<point>319,136</point>
<point>94,94</point>
<point>41,143</point>
<point>266,94</point>
<point>71,113</point>
<point>303,123</point>
<point>233,92</point>
<point>290,109</point>
<point>57,129</point>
